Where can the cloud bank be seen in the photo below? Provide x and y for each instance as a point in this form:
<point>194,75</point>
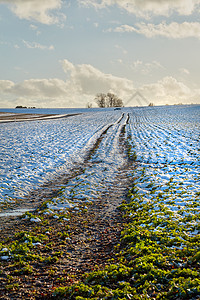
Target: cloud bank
<point>83,83</point>
<point>88,80</point>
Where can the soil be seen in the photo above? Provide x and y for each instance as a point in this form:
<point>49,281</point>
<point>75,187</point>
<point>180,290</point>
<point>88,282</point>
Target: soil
<point>93,235</point>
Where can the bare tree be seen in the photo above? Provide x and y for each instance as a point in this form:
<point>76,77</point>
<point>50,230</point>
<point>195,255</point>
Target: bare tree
<point>118,103</point>
<point>101,100</point>
<point>111,99</point>
<point>108,100</point>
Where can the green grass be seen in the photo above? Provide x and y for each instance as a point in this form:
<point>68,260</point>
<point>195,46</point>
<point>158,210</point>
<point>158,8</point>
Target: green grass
<point>157,258</point>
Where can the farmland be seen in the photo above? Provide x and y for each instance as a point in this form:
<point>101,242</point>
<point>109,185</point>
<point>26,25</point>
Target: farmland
<point>117,210</point>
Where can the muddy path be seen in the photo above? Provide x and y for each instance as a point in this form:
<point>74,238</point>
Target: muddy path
<point>52,188</point>
<point>93,236</point>
<point>92,233</point>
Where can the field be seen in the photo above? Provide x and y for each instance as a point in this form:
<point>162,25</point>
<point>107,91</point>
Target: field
<point>110,203</point>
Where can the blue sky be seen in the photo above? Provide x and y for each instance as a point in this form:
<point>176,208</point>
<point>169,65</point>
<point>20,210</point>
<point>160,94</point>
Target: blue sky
<point>61,53</point>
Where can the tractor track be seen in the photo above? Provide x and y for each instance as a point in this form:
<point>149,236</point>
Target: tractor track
<point>93,234</point>
<point>51,188</point>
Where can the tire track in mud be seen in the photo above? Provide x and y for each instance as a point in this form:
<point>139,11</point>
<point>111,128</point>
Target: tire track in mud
<point>93,243</point>
<point>119,189</point>
<point>99,140</point>
<point>93,233</point>
<point>51,189</point>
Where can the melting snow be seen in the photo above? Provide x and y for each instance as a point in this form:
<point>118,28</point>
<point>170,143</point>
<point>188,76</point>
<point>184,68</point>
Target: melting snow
<point>165,140</point>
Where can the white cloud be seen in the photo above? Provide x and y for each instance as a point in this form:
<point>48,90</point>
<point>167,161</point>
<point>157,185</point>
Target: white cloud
<point>120,61</point>
<point>44,88</point>
<point>89,80</point>
<point>67,66</point>
<point>137,64</point>
<point>84,82</point>
<point>145,67</point>
<point>147,8</point>
<point>34,45</point>
<point>168,91</point>
<point>123,28</point>
<point>35,28</point>
<point>184,71</point>
<point>165,91</point>
<point>121,49</point>
<point>174,87</point>
<point>37,10</point>
<point>173,30</point>
<point>38,92</point>
<point>5,85</point>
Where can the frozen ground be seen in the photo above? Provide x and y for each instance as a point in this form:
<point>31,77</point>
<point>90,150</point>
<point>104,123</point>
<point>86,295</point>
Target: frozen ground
<point>164,140</point>
<point>32,152</point>
<point>153,153</point>
<point>11,117</point>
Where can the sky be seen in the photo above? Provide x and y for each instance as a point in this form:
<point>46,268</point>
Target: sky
<point>62,53</point>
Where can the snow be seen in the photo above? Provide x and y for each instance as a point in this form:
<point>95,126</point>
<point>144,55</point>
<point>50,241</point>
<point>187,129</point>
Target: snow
<point>166,142</point>
<point>31,118</point>
<point>165,139</point>
<point>35,220</point>
<point>5,254</point>
<point>37,244</point>
<point>5,257</point>
<point>55,217</point>
<point>32,152</point>
<point>4,250</point>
